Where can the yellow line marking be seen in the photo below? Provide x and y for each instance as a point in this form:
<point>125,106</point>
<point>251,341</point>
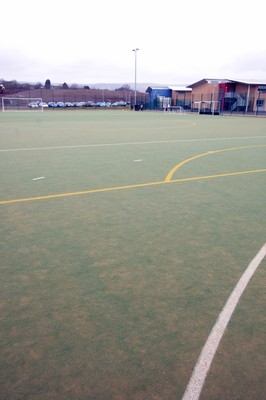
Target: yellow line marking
<point>197,178</point>
<point>54,196</point>
<point>168,177</point>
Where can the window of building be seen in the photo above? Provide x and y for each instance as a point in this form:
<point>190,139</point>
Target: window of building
<point>260,102</point>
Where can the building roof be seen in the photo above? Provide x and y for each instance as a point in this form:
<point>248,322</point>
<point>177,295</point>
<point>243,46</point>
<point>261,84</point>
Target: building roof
<point>217,81</point>
<point>251,81</point>
<point>209,80</point>
<point>175,88</point>
<point>180,88</point>
<point>151,88</point>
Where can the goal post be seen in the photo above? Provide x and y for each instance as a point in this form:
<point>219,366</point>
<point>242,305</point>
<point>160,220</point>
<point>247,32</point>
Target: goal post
<point>22,104</point>
<point>175,109</point>
<point>211,107</point>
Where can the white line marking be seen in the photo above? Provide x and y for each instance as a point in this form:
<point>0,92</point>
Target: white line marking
<point>207,354</point>
<point>137,160</point>
<point>129,143</point>
<point>39,177</point>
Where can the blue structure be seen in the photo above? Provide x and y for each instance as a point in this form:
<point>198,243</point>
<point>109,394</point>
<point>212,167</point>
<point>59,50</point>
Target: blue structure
<point>161,97</point>
<point>155,93</point>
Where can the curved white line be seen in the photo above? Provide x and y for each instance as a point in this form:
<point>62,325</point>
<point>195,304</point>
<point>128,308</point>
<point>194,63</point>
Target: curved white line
<point>207,354</point>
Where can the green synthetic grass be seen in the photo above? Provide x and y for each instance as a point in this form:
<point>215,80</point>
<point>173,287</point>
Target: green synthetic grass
<point>112,295</point>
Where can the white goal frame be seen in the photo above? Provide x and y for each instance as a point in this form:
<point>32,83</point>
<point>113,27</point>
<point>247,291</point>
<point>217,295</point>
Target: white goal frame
<point>18,104</point>
<point>175,109</point>
<point>212,106</point>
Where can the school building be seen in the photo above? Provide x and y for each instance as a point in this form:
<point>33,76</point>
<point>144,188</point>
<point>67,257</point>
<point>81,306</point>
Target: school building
<point>212,96</point>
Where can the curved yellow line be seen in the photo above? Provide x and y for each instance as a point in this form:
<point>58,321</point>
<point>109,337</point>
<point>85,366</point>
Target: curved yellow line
<point>168,177</point>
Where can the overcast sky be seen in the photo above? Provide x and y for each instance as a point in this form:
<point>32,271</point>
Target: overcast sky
<point>91,41</point>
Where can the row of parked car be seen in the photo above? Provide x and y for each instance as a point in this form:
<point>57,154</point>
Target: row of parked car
<point>61,104</point>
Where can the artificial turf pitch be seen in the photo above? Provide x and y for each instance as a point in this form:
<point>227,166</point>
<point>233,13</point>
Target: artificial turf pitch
<point>111,276</point>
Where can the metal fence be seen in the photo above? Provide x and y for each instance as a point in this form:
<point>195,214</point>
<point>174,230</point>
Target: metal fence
<point>229,103</point>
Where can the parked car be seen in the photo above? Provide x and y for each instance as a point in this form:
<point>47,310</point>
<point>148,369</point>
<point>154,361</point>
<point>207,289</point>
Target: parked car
<point>89,104</point>
<point>33,105</point>
<point>68,104</point>
<point>52,104</point>
<point>42,104</point>
<point>60,104</point>
<point>119,104</point>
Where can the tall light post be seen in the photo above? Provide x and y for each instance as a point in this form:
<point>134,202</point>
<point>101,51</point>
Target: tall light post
<point>135,50</point>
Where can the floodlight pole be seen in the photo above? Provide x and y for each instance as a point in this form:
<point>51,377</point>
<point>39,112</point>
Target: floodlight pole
<point>135,50</point>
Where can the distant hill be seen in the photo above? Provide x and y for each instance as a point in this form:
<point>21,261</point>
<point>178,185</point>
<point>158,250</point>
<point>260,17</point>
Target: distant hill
<point>141,86</point>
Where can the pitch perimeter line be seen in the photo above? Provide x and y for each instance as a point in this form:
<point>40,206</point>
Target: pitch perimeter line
<point>207,354</point>
<point>54,196</point>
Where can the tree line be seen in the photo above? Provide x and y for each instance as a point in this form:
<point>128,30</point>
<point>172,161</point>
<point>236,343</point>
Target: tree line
<point>13,85</point>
